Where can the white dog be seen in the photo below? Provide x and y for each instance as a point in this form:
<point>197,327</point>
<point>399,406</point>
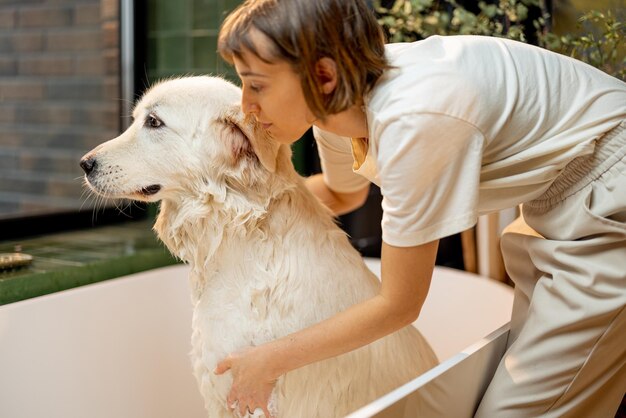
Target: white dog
<point>267,257</point>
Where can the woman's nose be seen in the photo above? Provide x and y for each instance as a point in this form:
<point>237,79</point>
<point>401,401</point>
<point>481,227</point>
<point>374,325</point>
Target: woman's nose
<point>248,106</point>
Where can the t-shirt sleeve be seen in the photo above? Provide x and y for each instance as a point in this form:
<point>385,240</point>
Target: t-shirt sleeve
<point>429,167</point>
<point>337,160</point>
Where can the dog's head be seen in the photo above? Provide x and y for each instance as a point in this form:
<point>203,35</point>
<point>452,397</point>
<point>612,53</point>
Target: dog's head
<point>188,133</point>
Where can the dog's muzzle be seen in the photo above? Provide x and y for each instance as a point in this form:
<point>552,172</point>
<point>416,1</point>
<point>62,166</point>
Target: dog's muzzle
<point>89,165</point>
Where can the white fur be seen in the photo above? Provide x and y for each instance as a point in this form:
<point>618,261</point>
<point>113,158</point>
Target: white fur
<point>267,257</point>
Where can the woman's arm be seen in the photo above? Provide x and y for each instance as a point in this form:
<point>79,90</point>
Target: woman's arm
<point>339,203</point>
<point>406,275</point>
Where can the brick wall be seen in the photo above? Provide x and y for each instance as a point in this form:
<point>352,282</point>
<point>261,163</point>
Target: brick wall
<point>59,97</point>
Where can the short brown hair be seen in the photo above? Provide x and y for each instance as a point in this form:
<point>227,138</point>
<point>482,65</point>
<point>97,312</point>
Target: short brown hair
<point>304,31</point>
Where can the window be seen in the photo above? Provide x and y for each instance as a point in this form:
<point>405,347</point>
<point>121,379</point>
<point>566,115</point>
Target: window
<point>69,74</point>
<point>59,96</point>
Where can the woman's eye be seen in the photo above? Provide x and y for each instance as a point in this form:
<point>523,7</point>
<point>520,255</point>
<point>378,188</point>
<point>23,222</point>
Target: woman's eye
<point>153,122</point>
<point>255,88</point>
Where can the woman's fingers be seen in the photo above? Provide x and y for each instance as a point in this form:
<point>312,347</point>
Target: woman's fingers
<point>246,406</point>
<point>243,408</point>
<point>266,411</point>
<point>231,400</point>
<point>251,387</point>
<point>223,366</point>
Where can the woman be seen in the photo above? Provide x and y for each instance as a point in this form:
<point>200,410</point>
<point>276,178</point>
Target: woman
<point>450,128</point>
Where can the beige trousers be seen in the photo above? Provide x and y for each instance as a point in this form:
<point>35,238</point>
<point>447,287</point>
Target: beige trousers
<point>567,346</point>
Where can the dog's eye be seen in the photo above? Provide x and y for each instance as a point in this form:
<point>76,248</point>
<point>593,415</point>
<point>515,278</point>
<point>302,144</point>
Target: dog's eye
<point>153,122</point>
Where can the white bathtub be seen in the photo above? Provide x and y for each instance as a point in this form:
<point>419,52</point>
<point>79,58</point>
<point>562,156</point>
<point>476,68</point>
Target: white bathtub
<point>119,348</point>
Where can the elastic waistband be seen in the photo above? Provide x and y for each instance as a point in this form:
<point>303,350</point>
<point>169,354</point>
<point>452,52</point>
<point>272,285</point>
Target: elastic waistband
<point>609,149</point>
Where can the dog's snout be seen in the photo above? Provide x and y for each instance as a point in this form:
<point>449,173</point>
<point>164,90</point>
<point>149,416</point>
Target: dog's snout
<point>88,164</point>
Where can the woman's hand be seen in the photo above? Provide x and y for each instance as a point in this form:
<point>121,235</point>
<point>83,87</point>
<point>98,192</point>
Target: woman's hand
<point>253,380</point>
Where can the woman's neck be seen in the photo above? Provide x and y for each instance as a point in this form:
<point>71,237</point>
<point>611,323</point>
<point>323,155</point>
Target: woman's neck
<point>351,123</point>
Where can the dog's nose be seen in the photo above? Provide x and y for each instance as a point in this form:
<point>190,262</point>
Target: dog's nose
<point>88,164</point>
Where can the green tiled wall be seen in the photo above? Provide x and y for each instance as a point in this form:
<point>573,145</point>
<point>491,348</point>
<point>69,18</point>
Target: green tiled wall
<point>182,37</point>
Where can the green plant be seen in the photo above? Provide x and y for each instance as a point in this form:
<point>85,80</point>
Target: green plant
<point>410,20</point>
<point>601,43</point>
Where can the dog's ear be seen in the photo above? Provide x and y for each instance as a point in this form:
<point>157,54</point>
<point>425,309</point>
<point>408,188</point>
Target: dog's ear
<point>240,146</point>
<point>265,148</point>
<point>254,140</point>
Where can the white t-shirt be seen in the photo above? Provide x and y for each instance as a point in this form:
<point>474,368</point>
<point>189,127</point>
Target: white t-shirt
<point>466,125</point>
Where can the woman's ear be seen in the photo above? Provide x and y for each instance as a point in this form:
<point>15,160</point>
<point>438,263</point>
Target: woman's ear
<point>326,73</point>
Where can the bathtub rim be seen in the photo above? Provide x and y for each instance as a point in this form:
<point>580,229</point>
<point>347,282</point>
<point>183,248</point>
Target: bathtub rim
<point>498,337</point>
